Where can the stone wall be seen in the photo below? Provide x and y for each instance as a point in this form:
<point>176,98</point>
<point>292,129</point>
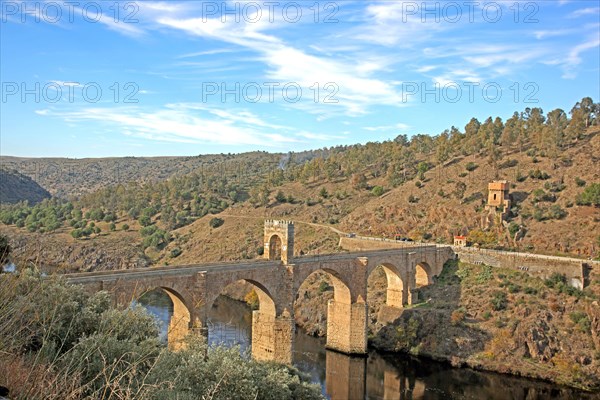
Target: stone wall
<point>538,265</point>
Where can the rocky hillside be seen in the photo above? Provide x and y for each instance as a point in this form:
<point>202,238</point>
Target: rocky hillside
<point>16,187</point>
<point>504,321</point>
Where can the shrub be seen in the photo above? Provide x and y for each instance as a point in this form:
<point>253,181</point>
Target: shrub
<point>471,166</point>
<point>419,184</point>
<point>324,286</point>
<point>412,199</point>
<point>555,186</point>
<point>537,174</point>
<point>125,227</point>
<point>86,349</point>
<point>513,228</point>
<point>590,196</point>
<point>112,227</point>
<point>499,301</point>
<point>530,290</point>
<point>252,299</point>
<point>176,252</point>
<point>556,280</point>
<point>581,320</point>
<point>323,193</point>
<point>579,182</point>
<point>145,220</point>
<point>280,197</point>
<point>377,191</point>
<point>216,222</point>
<point>556,212</point>
<point>485,275</point>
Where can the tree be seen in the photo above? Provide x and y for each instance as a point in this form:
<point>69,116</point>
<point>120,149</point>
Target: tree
<point>533,125</point>
<point>443,147</point>
<point>511,131</point>
<point>471,143</point>
<point>422,167</point>
<point>554,136</point>
<point>145,220</point>
<point>125,227</point>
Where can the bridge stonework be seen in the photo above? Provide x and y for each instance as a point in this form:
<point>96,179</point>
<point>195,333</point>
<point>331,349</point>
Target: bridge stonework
<point>276,281</point>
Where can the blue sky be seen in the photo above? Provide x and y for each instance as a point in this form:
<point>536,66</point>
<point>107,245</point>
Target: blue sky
<point>147,78</point>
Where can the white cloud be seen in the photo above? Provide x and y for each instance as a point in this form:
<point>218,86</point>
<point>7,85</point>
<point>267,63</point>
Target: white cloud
<point>585,11</point>
<point>399,126</point>
<point>574,57</point>
<point>285,64</point>
<point>193,123</point>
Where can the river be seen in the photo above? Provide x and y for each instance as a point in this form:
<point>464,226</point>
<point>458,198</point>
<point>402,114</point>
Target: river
<point>378,376</point>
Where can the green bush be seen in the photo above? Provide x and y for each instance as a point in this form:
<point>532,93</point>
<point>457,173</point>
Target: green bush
<point>579,182</point>
<point>537,174</point>
<point>499,301</point>
<point>176,252</point>
<point>280,197</point>
<point>324,286</point>
<point>377,191</point>
<point>590,196</point>
<point>216,222</point>
<point>471,166</point>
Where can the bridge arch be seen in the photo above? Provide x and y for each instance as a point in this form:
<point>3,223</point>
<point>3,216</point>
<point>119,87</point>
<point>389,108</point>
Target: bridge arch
<point>180,322</point>
<point>266,302</point>
<point>395,291</point>
<point>423,274</point>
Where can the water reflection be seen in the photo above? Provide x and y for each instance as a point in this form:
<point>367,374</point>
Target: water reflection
<point>377,376</point>
<point>10,267</point>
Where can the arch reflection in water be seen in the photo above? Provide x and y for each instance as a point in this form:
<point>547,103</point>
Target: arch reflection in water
<point>393,376</point>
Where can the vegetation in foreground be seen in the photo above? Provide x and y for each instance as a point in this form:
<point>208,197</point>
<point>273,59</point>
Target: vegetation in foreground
<point>58,342</point>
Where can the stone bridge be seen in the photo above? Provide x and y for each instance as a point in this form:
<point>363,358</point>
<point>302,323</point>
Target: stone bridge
<point>194,288</point>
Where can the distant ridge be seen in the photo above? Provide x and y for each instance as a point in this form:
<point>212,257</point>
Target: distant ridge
<point>16,187</point>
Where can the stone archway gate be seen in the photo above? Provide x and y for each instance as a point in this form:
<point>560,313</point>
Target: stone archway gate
<point>194,288</point>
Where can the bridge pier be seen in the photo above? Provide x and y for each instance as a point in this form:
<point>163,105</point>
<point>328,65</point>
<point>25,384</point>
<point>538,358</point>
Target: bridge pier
<point>272,337</point>
<point>347,327</point>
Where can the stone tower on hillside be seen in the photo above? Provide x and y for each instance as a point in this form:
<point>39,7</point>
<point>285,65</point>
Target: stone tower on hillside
<point>279,240</point>
<point>498,197</point>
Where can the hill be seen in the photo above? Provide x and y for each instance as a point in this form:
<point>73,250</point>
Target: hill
<point>426,188</point>
<point>16,187</point>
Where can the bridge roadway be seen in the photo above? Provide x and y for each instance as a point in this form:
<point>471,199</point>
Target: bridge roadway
<point>229,266</point>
